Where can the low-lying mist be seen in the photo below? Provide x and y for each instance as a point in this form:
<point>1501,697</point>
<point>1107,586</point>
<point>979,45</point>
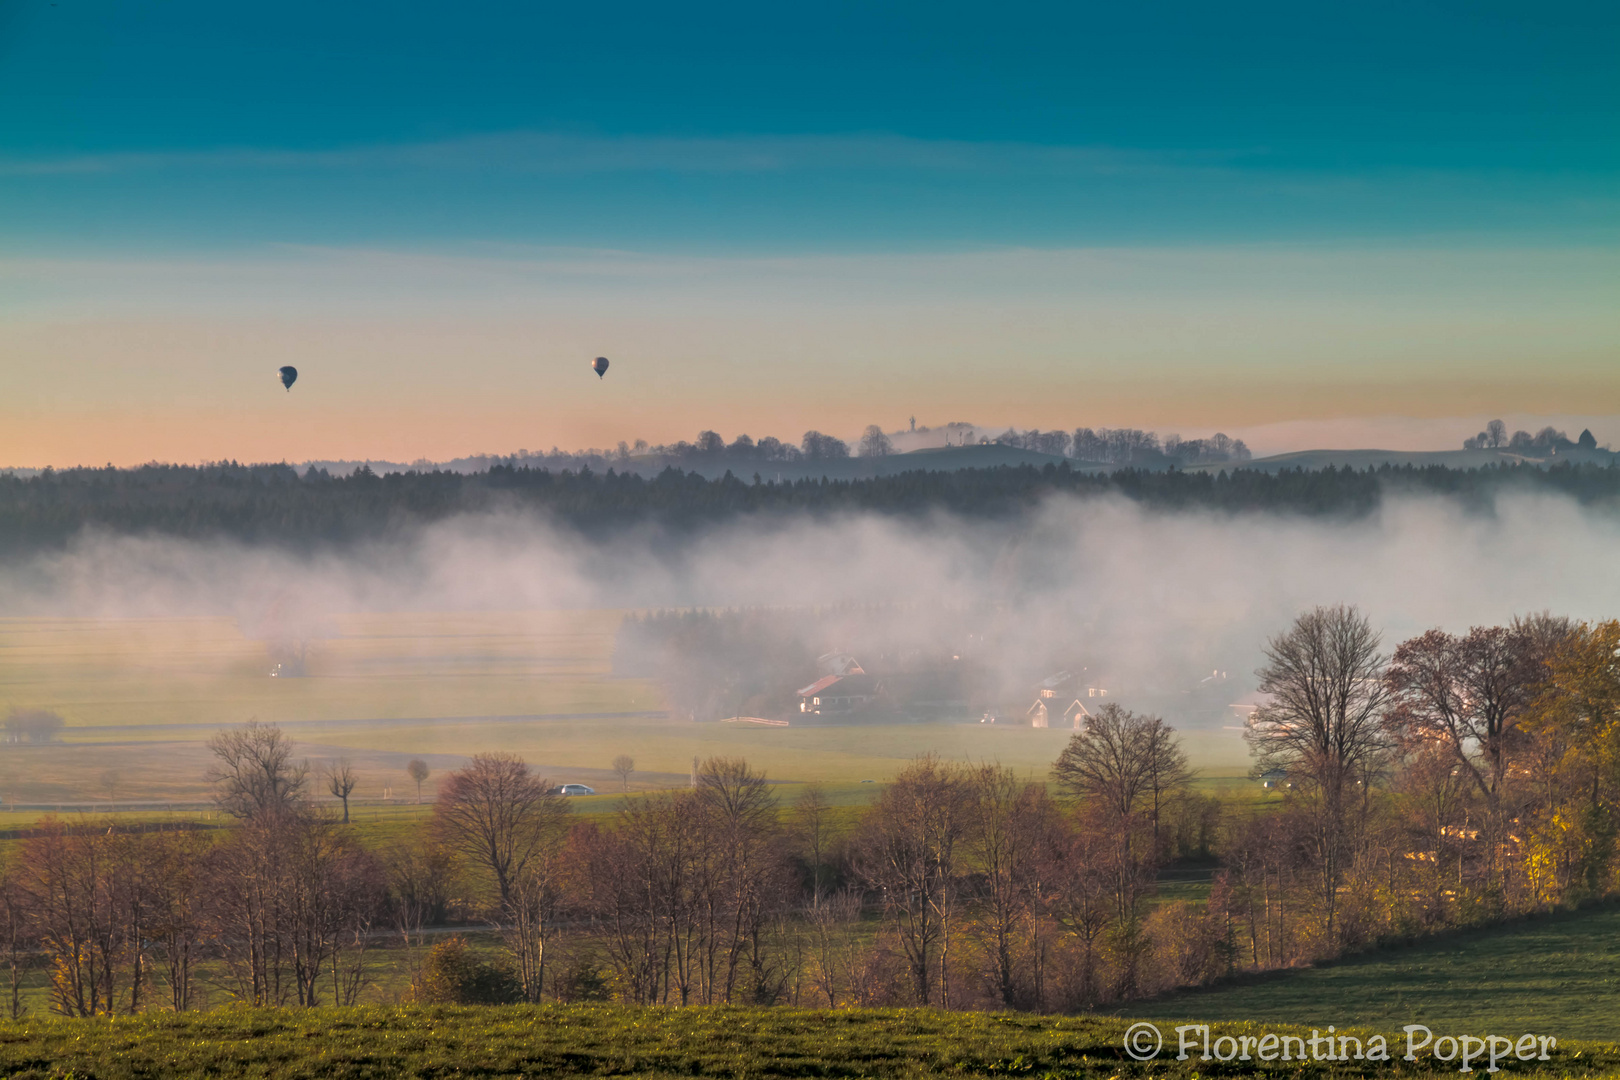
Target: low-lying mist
<point>1146,600</point>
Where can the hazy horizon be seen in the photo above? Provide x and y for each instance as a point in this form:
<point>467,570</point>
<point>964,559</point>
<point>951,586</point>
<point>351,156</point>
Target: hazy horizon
<point>1390,433</point>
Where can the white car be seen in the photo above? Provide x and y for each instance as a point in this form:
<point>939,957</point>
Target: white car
<point>575,789</point>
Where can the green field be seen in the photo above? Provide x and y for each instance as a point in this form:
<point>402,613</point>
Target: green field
<point>134,673</point>
<point>140,695</point>
<point>606,1040</point>
<point>1557,974</point>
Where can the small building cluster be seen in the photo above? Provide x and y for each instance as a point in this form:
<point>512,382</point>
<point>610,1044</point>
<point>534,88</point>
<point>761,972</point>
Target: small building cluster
<point>846,693</point>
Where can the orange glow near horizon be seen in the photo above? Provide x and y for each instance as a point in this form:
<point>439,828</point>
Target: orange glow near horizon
<point>408,432</point>
<point>405,359</point>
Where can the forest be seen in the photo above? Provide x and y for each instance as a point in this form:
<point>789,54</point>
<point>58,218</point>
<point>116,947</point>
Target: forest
<point>275,505</point>
<point>1455,780</point>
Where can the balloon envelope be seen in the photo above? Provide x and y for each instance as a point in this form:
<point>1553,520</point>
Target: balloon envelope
<point>600,366</point>
<point>289,375</point>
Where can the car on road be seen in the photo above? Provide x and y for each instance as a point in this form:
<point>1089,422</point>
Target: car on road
<point>574,789</point>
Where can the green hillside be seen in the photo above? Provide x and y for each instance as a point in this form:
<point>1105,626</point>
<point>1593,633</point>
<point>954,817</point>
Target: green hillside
<point>1555,974</point>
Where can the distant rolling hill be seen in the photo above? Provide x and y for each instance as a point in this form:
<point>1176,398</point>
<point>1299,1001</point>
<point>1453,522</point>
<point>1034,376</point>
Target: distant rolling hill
<point>951,458</point>
<point>1372,459</point>
<point>936,459</point>
<point>989,456</point>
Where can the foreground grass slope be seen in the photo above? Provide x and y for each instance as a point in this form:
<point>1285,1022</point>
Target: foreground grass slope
<point>606,1040</point>
<point>1557,973</point>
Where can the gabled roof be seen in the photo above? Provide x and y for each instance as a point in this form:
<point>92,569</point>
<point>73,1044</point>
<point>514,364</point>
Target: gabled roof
<point>819,685</point>
<point>855,684</point>
<point>835,663</point>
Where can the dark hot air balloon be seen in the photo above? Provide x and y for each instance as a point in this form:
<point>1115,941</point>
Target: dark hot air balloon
<point>289,375</point>
<point>599,365</point>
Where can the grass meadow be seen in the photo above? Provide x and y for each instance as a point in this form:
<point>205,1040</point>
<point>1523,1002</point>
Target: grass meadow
<point>606,1040</point>
<point>140,696</point>
<point>1556,974</point>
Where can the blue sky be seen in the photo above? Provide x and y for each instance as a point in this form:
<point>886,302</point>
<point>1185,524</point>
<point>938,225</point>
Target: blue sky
<point>136,133</point>
<point>875,127</point>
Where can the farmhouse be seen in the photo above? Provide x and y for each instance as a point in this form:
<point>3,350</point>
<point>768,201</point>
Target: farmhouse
<point>1040,714</point>
<point>1051,692</point>
<point>910,689</point>
<point>837,695</point>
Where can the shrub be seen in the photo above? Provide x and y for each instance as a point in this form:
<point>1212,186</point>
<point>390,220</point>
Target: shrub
<point>584,982</point>
<point>452,975</point>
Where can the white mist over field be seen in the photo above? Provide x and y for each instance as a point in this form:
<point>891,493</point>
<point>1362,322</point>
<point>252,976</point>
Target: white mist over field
<point>1152,599</point>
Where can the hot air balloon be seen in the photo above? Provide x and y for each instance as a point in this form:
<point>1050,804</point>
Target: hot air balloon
<point>600,365</point>
<point>289,375</point>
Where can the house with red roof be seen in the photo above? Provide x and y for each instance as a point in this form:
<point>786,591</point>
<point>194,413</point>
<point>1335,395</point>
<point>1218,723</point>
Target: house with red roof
<point>836,695</point>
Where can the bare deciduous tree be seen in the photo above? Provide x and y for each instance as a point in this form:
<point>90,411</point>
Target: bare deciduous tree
<point>1011,836</point>
<point>810,829</point>
<point>1324,725</point>
<point>1125,760</point>
<point>811,826</point>
<point>1542,634</point>
<point>1122,765</point>
<point>837,958</point>
<point>500,815</point>
<point>77,895</point>
<point>245,908</point>
<point>910,856</point>
<point>340,781</point>
<point>15,921</point>
<point>624,765</point>
<point>737,818</point>
<point>874,443</point>
<point>1465,698</point>
<point>1167,775</point>
<point>333,890</point>
<point>255,773</point>
<point>291,902</point>
<point>637,885</point>
<point>177,911</point>
<point>417,769</point>
<point>419,877</point>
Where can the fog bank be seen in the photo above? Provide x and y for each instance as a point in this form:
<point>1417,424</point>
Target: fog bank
<point>1153,600</point>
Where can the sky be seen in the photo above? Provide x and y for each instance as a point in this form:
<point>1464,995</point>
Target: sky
<point>1327,224</point>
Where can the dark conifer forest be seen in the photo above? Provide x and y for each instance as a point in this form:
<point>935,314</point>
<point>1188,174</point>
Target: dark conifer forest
<point>275,505</point>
